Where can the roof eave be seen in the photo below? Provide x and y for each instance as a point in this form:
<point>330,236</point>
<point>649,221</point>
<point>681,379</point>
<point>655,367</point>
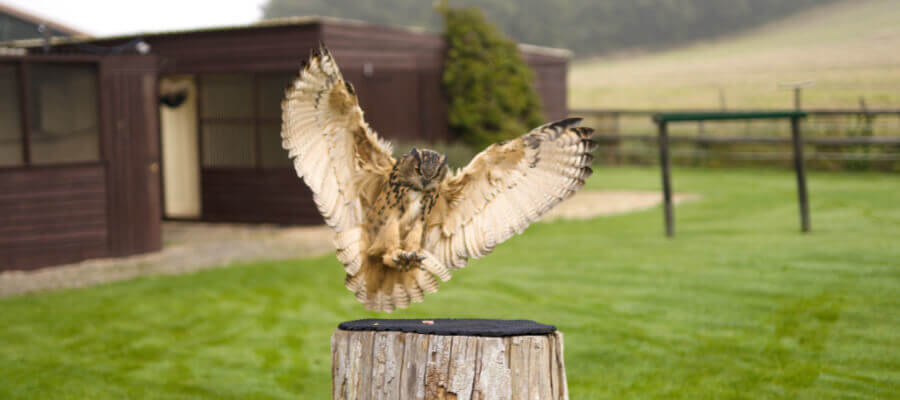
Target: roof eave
<point>37,19</point>
<point>277,22</point>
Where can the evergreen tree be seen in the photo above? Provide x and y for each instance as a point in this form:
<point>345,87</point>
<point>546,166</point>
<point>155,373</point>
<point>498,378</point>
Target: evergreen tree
<point>488,85</point>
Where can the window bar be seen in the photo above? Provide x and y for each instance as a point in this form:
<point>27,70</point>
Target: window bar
<point>24,113</point>
<point>200,132</point>
<point>256,118</point>
<point>101,111</point>
<point>198,93</point>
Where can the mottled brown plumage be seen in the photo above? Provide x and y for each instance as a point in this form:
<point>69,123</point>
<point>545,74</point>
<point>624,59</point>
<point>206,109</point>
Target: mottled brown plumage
<point>402,224</point>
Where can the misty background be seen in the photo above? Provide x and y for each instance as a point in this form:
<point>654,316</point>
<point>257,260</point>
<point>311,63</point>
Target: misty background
<point>588,27</point>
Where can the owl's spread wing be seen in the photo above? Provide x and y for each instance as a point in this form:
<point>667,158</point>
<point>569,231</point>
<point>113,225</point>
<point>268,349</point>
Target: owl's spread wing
<point>334,150</point>
<point>505,188</point>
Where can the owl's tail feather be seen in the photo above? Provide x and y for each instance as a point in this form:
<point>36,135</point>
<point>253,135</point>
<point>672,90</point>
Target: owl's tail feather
<point>435,266</point>
<point>382,288</point>
<point>347,244</point>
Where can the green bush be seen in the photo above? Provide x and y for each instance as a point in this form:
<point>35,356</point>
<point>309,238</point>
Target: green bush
<point>488,85</point>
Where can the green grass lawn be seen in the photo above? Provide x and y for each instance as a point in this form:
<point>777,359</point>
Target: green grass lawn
<point>739,305</point>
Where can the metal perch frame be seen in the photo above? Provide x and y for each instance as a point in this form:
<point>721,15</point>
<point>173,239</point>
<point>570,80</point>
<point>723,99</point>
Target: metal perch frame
<point>663,119</point>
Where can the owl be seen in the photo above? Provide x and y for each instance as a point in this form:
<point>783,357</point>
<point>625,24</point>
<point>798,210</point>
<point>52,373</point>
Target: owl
<point>403,224</point>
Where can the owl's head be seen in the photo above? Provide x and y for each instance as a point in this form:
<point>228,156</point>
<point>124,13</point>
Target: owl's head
<point>422,170</point>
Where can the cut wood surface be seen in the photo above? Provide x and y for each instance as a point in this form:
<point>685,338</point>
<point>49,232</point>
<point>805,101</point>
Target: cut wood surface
<point>399,365</point>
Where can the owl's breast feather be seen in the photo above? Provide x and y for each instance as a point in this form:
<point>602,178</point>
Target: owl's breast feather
<point>413,209</point>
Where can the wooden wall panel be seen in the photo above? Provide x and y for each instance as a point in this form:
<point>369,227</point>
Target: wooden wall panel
<point>402,95</point>
<point>390,100</point>
<point>131,148</point>
<point>52,215</point>
<point>550,82</point>
<point>267,195</point>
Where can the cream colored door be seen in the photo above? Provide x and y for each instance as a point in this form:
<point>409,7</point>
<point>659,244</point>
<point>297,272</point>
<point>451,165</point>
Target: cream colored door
<point>181,166</point>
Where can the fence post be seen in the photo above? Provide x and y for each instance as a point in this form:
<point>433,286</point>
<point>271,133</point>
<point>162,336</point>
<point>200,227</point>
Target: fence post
<point>616,123</point>
<point>801,174</point>
<point>616,144</point>
<point>666,179</point>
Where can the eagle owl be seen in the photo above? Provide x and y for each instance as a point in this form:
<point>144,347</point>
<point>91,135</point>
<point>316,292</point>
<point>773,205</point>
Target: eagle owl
<point>402,224</point>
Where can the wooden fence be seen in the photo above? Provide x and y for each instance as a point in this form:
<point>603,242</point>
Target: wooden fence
<point>835,139</point>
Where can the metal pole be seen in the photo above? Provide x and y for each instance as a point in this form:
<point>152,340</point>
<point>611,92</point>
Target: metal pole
<point>616,123</point>
<point>801,174</point>
<point>666,180</point>
<point>797,93</point>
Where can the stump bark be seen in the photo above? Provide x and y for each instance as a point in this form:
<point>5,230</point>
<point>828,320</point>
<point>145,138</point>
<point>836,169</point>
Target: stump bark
<point>407,365</point>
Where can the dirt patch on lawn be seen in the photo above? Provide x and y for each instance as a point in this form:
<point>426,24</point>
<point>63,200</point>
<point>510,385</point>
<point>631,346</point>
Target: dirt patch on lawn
<point>192,246</point>
<point>187,247</point>
<point>594,203</point>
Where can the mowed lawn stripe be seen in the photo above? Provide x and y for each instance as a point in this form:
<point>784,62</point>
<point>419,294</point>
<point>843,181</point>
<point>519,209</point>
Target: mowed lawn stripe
<point>738,305</point>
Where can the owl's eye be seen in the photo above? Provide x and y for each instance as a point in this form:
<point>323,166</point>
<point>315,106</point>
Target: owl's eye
<point>418,171</point>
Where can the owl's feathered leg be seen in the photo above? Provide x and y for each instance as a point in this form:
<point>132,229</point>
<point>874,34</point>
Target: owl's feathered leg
<point>410,256</point>
<point>387,245</point>
<point>396,253</point>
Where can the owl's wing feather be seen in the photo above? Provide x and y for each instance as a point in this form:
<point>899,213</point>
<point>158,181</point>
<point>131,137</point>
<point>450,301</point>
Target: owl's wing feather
<point>333,149</point>
<point>505,188</point>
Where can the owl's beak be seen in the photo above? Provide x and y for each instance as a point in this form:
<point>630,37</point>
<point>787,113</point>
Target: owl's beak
<point>426,182</point>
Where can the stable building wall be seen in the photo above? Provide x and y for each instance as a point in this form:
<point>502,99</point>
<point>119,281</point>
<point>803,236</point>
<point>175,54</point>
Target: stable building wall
<point>78,159</point>
<point>235,79</point>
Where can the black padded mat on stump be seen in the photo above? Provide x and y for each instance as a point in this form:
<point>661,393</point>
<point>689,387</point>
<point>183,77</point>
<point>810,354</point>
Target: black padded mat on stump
<point>452,327</point>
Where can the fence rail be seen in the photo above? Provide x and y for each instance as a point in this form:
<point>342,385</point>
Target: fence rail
<point>808,111</point>
<point>822,141</point>
<point>839,138</point>
<point>818,122</point>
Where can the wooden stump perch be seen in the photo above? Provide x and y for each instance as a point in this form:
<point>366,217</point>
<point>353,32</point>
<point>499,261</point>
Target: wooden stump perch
<point>396,359</point>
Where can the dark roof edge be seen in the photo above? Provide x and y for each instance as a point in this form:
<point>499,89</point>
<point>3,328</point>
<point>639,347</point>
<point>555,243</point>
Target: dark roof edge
<point>547,51</point>
<point>37,19</point>
<point>267,23</point>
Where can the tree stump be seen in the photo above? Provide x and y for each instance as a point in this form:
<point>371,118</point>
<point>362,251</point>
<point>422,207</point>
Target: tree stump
<point>447,359</point>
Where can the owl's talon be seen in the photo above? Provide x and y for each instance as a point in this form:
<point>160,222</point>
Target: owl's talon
<point>410,258</point>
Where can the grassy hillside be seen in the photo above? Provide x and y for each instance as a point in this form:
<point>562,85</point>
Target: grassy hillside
<point>849,49</point>
<point>739,305</point>
<point>588,27</point>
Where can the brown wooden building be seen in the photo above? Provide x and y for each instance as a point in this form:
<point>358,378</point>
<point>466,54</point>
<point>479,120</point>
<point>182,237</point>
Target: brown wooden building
<point>216,134</point>
<point>79,158</point>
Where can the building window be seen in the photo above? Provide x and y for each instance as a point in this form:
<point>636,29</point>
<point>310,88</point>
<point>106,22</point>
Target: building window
<point>240,120</point>
<point>52,118</point>
<point>271,93</point>
<point>63,114</point>
<point>228,144</point>
<point>11,143</point>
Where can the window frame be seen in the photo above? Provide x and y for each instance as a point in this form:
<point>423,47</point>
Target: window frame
<point>23,65</point>
<point>256,120</point>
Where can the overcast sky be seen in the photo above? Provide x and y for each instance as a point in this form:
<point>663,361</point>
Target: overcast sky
<point>110,17</point>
